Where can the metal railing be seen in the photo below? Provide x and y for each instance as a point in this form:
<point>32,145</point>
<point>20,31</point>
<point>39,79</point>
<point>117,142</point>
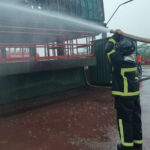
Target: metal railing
<point>58,44</point>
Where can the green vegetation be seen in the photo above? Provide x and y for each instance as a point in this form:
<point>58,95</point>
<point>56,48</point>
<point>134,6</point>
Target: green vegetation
<point>144,50</point>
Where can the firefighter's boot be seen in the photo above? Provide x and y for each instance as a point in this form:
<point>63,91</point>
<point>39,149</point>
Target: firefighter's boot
<point>119,147</point>
<point>138,148</point>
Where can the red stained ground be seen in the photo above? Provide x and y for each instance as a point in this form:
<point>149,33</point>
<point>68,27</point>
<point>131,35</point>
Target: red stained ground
<point>86,121</point>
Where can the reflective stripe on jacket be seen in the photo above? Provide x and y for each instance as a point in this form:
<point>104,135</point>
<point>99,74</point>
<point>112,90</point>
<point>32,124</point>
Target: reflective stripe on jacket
<point>125,80</point>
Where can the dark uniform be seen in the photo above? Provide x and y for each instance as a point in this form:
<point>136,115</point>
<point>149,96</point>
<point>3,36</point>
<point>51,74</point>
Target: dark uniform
<point>121,53</point>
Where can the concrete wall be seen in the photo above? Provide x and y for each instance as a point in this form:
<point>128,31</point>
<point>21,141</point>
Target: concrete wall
<point>29,85</point>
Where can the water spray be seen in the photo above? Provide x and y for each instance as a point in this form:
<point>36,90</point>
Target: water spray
<point>72,20</point>
<point>52,16</point>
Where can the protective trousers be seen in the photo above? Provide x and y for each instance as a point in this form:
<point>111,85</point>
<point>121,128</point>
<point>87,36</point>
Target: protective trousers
<point>129,122</point>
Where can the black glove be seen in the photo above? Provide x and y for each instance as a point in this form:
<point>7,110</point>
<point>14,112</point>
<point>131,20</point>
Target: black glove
<point>117,37</point>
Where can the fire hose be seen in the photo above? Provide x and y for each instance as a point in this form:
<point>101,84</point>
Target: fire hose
<point>137,38</point>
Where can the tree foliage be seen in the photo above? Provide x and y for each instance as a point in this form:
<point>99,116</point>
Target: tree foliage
<point>144,50</point>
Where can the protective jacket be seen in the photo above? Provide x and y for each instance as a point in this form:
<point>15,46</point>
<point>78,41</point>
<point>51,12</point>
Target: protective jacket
<point>125,81</point>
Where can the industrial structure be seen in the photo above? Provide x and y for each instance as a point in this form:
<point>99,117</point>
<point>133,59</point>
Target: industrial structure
<point>42,50</point>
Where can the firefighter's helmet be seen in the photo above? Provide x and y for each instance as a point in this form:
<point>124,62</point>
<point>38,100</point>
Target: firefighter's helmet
<point>127,46</point>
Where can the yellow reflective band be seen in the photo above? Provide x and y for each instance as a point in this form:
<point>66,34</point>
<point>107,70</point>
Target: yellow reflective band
<point>125,80</point>
<point>123,71</point>
<point>112,40</point>
<point>138,141</point>
<point>127,144</point>
<point>125,94</point>
<point>136,78</point>
<point>111,52</point>
<point>129,69</point>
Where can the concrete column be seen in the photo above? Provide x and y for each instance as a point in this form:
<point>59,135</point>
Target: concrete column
<point>3,52</point>
<point>60,50</point>
<point>104,35</point>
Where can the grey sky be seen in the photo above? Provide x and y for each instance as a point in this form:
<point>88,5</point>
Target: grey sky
<point>133,18</point>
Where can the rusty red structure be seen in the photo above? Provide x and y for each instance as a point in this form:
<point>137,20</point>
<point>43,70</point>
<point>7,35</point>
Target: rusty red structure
<point>42,52</point>
<point>70,47</point>
<point>30,45</point>
<point>34,30</point>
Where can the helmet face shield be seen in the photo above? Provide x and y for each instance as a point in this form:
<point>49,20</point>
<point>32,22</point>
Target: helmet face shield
<point>126,46</point>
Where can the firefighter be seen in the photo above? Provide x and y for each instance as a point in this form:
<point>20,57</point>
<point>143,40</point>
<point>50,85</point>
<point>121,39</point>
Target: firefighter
<point>121,53</point>
<point>139,61</point>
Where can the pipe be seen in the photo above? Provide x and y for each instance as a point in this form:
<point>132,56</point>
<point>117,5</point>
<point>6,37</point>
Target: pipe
<point>116,10</point>
<point>137,38</point>
<point>91,85</point>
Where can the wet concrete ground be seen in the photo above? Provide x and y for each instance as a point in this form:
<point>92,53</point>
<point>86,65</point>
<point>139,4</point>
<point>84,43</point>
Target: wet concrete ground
<point>145,103</point>
<point>84,122</point>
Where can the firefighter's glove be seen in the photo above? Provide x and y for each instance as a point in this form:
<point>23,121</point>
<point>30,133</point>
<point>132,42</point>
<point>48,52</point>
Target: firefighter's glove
<point>117,37</point>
